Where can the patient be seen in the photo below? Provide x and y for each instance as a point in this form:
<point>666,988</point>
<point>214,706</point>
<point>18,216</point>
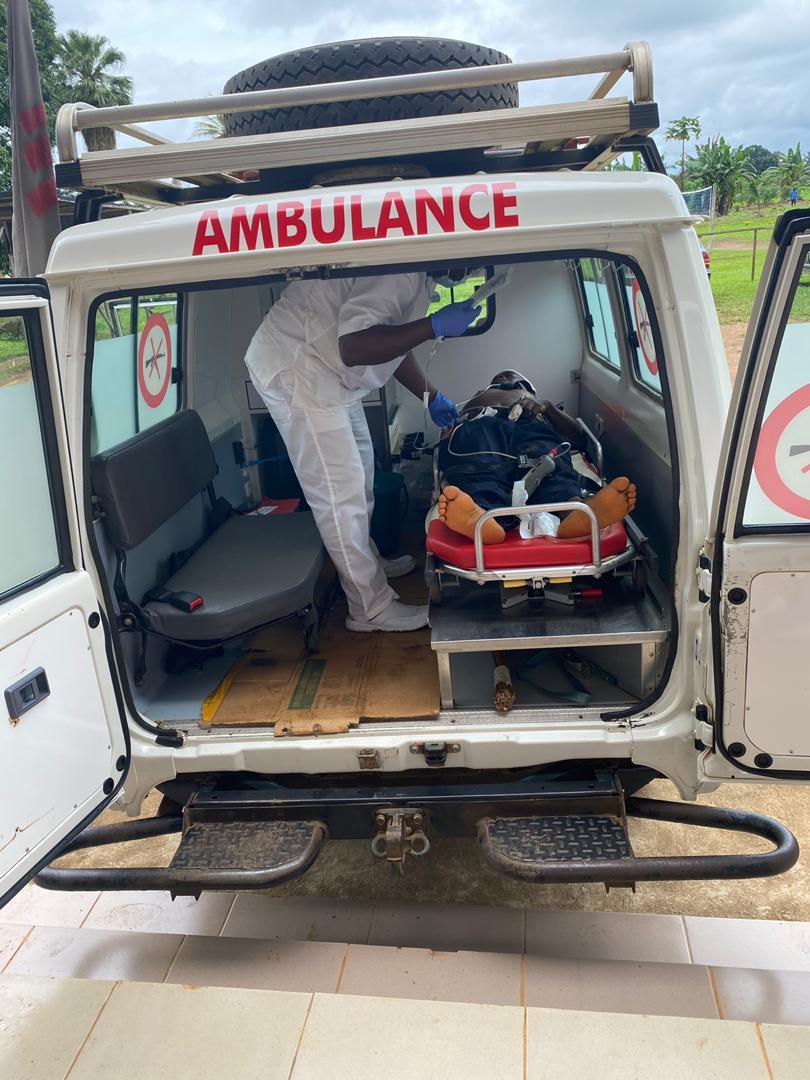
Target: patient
<point>479,463</point>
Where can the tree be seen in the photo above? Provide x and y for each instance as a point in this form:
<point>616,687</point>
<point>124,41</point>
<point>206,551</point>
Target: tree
<point>210,127</point>
<point>791,171</point>
<point>89,68</point>
<point>761,158</point>
<point>718,163</point>
<point>759,187</point>
<point>681,131</point>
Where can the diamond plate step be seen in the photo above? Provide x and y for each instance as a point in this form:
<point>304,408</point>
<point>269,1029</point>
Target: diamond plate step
<point>249,845</point>
<point>525,848</point>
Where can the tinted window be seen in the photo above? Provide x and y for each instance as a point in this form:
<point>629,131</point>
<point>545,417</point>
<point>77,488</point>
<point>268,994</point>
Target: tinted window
<point>28,545</point>
<point>645,361</point>
<point>779,487</point>
<point>593,280</point>
<point>136,366</point>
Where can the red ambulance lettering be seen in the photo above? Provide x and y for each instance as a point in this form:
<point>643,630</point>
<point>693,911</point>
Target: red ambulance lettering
<point>324,220</point>
<point>442,212</point>
<point>360,231</point>
<point>501,203</point>
<point>250,228</point>
<point>209,237</point>
<point>471,220</point>
<point>290,223</point>
<point>322,235</point>
<point>393,215</point>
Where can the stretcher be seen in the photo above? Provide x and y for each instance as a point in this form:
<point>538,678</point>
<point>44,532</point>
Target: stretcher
<point>547,567</point>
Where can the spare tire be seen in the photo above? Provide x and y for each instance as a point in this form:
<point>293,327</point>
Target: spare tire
<point>364,59</point>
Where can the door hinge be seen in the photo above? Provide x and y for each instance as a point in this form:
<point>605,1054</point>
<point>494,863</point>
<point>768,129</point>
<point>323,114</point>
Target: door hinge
<point>435,753</point>
<point>703,573</point>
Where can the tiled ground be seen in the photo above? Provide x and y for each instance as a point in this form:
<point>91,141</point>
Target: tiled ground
<point>60,1029</point>
<point>598,961</point>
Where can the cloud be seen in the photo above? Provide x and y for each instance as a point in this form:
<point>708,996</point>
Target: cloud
<point>742,66</point>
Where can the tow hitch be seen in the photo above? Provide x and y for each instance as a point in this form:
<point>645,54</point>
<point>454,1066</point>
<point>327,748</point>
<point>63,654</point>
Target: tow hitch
<point>400,832</point>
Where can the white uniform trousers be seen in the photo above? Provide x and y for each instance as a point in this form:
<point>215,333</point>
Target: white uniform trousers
<point>331,451</point>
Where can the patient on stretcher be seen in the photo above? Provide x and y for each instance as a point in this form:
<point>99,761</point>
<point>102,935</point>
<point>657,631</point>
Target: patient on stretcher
<point>481,460</point>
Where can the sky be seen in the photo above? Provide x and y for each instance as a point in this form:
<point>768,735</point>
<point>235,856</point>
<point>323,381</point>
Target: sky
<point>742,67</point>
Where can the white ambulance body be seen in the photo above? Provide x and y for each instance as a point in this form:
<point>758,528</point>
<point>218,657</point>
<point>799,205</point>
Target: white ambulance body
<point>608,310</point>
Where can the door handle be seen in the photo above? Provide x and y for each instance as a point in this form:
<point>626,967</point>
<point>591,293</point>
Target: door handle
<point>28,692</point>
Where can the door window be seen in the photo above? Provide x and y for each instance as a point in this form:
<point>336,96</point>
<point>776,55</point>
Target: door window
<point>778,491</point>
<point>136,366</point>
<point>29,548</point>
<point>595,290</point>
<point>642,344</point>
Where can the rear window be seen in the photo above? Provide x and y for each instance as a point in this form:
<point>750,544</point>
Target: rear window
<point>454,294</point>
<point>136,365</point>
<point>642,343</point>
<point>595,289</point>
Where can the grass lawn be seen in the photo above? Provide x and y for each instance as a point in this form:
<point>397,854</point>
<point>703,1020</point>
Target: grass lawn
<point>731,266</point>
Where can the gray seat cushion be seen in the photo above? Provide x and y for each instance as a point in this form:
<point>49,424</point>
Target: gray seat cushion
<point>251,571</point>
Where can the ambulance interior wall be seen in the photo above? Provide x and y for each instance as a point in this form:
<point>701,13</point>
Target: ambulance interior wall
<point>537,331</point>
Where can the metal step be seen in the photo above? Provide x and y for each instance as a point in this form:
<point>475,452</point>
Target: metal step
<point>222,855</point>
<point>580,848</point>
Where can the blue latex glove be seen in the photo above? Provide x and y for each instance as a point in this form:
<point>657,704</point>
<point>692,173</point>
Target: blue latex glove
<point>453,320</point>
<point>442,411</point>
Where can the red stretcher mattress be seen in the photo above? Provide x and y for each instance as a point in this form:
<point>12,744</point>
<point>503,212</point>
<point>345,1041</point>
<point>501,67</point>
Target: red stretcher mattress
<point>515,553</point>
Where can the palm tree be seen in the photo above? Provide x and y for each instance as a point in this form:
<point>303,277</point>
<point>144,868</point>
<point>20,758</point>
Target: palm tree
<point>90,71</point>
<point>792,170</point>
<point>681,131</point>
<point>210,127</point>
<point>718,163</point>
<point>759,187</point>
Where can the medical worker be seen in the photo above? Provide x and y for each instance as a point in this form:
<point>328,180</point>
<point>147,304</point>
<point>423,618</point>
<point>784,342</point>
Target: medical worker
<point>320,349</point>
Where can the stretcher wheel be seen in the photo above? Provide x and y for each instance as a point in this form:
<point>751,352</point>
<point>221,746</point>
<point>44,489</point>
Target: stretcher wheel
<point>435,590</point>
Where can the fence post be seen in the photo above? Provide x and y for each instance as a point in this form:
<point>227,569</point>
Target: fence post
<point>754,255</point>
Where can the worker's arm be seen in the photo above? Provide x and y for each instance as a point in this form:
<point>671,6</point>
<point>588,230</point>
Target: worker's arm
<point>380,344</point>
<point>564,425</point>
<point>411,376</point>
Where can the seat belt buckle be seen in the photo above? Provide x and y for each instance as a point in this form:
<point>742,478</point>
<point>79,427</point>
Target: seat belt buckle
<point>183,601</point>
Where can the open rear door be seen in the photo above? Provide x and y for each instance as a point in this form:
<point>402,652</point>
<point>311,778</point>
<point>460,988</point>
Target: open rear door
<point>64,749</point>
<point>761,552</point>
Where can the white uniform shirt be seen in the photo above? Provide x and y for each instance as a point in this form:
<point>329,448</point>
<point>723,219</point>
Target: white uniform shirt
<point>302,329</point>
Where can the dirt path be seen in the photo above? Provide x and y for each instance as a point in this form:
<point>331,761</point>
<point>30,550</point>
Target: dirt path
<point>733,337</point>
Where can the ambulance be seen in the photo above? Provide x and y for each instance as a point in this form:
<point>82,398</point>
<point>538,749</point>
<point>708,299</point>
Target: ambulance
<point>168,618</point>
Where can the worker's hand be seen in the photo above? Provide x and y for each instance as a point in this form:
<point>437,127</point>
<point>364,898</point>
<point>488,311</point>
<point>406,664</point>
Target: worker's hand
<point>442,411</point>
<point>453,320</point>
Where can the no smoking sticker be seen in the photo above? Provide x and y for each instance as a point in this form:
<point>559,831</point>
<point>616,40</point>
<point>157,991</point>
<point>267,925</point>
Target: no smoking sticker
<point>154,360</point>
<point>644,328</point>
<point>782,460</point>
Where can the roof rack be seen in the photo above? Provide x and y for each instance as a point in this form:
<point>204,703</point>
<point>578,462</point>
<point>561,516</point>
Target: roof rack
<point>584,134</point>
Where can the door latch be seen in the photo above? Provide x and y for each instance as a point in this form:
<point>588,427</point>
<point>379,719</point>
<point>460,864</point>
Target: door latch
<point>435,753</point>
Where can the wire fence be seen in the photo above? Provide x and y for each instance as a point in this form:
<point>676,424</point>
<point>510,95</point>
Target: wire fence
<point>713,235</point>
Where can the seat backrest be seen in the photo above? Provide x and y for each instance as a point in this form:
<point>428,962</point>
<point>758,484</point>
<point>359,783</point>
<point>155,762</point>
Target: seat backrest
<point>142,482</point>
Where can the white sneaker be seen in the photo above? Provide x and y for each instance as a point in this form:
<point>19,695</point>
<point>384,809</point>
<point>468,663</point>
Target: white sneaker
<point>393,619</point>
<point>398,567</point>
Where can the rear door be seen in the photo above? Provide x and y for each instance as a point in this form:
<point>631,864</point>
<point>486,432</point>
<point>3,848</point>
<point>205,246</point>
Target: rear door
<point>64,749</point>
<point>761,553</point>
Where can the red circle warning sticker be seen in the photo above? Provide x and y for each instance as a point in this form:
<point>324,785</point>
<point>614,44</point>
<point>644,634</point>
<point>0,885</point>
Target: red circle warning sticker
<point>154,360</point>
<point>782,460</point>
<point>644,328</point>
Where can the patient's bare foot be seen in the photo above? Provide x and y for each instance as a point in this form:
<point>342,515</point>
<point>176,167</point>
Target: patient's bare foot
<point>610,505</point>
<point>460,513</point>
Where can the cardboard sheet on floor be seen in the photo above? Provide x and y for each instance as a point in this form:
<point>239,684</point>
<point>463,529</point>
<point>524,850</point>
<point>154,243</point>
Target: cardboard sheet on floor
<point>352,678</point>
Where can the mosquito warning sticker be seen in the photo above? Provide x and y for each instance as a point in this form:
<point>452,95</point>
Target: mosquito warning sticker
<point>154,360</point>
<point>644,328</point>
<point>782,461</point>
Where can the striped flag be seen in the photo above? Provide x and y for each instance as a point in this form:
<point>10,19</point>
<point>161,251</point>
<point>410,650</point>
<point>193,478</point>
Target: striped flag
<point>35,205</point>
